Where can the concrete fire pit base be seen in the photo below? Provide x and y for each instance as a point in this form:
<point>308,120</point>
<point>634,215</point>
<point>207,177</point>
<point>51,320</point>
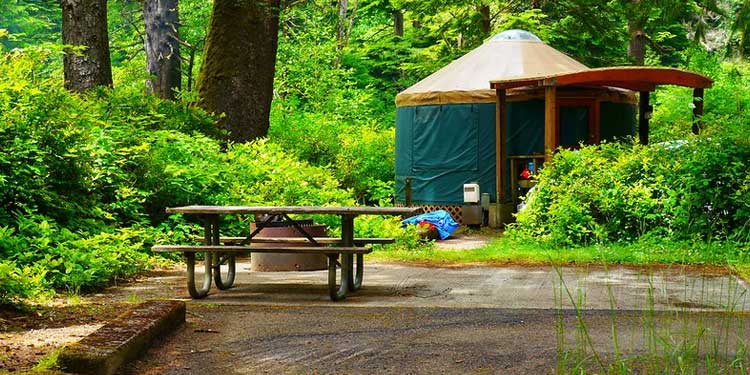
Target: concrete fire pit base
<point>270,262</point>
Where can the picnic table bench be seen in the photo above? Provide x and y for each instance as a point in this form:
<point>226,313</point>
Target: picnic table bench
<point>220,251</point>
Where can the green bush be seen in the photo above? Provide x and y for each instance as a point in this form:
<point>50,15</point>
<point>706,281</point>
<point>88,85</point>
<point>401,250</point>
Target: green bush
<point>84,179</point>
<point>41,255</point>
<point>19,283</point>
<point>693,190</point>
<point>366,163</point>
<point>361,156</point>
<point>727,103</point>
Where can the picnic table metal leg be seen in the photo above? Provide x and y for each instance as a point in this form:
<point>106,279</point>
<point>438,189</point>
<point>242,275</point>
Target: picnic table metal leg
<point>229,260</point>
<point>338,294</point>
<point>208,238</point>
<point>203,291</point>
<point>359,275</point>
<point>213,238</point>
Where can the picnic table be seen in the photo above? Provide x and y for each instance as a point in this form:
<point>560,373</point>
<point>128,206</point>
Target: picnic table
<point>220,251</point>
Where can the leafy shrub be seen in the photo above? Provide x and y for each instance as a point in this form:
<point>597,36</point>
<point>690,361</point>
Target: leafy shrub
<point>84,179</point>
<point>361,156</point>
<point>366,163</point>
<point>41,255</point>
<point>407,239</point>
<point>43,164</point>
<point>726,104</point>
<point>313,137</point>
<point>18,283</point>
<point>693,190</point>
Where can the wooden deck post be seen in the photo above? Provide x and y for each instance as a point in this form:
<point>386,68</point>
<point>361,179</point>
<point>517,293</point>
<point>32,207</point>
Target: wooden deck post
<point>644,114</point>
<point>697,110</point>
<point>550,122</point>
<point>501,149</point>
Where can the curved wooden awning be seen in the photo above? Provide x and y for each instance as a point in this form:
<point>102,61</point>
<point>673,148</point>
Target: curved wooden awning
<point>636,78</point>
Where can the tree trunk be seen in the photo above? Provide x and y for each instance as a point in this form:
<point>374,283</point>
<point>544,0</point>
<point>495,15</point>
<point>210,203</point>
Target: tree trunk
<point>637,43</point>
<point>162,46</point>
<point>341,28</point>
<point>398,23</point>
<point>239,62</point>
<point>637,18</point>
<point>484,11</point>
<point>345,25</point>
<point>84,23</point>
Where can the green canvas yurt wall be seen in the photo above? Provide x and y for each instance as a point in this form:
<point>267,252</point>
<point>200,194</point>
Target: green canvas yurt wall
<point>445,124</point>
<point>442,147</point>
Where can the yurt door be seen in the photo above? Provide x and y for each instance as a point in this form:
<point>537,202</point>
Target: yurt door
<point>577,123</point>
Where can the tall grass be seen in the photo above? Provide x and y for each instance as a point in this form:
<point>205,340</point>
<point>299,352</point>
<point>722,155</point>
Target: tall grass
<point>687,340</point>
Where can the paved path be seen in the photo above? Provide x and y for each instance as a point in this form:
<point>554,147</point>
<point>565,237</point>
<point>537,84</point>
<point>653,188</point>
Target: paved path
<point>410,319</point>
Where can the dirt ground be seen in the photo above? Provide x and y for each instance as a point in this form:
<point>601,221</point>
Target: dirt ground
<point>407,340</point>
<point>407,319</point>
<point>35,332</point>
<point>423,320</point>
<point>28,336</point>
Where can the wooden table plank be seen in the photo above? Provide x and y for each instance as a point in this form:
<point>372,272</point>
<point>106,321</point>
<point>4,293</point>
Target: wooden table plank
<point>242,210</point>
<point>262,249</point>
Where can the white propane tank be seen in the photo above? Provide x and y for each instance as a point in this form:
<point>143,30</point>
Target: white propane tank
<point>471,193</point>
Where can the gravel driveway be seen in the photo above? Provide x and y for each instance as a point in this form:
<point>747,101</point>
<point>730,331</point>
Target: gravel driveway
<point>420,320</point>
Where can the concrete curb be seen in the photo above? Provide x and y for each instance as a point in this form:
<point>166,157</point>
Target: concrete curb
<point>122,339</point>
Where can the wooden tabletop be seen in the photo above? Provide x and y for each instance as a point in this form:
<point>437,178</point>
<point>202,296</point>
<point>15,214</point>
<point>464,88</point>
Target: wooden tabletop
<point>240,210</point>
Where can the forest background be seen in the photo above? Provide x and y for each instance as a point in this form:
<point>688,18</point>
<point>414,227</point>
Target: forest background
<point>85,177</point>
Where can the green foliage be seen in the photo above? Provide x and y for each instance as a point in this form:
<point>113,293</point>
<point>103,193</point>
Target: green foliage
<point>30,22</point>
<point>85,179</point>
<point>691,190</point>
<point>727,103</point>
<point>17,283</point>
<point>366,163</point>
<point>262,173</point>
<point>361,156</point>
<point>599,41</point>
<point>407,239</point>
<point>41,254</point>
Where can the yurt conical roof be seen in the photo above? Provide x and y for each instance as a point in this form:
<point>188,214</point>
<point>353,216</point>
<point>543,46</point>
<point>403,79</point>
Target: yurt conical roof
<point>512,53</point>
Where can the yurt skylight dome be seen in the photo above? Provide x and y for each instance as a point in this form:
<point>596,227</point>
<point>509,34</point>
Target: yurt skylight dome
<point>515,34</point>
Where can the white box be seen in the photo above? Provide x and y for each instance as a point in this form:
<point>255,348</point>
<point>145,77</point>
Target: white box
<point>471,193</point>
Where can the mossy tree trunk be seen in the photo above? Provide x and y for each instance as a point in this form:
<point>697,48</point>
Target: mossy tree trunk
<point>236,77</point>
<point>398,23</point>
<point>637,42</point>
<point>162,45</point>
<point>84,23</point>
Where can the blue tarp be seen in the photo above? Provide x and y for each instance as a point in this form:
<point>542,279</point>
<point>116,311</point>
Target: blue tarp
<point>441,219</point>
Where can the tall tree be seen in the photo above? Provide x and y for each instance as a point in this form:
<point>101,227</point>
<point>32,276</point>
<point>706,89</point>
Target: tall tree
<point>162,44</point>
<point>346,16</point>
<point>648,18</point>
<point>637,21</point>
<point>740,26</point>
<point>84,24</point>
<point>398,23</point>
<point>239,62</point>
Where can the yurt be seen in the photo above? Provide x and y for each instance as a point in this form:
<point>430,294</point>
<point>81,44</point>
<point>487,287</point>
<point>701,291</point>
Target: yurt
<point>446,123</point>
